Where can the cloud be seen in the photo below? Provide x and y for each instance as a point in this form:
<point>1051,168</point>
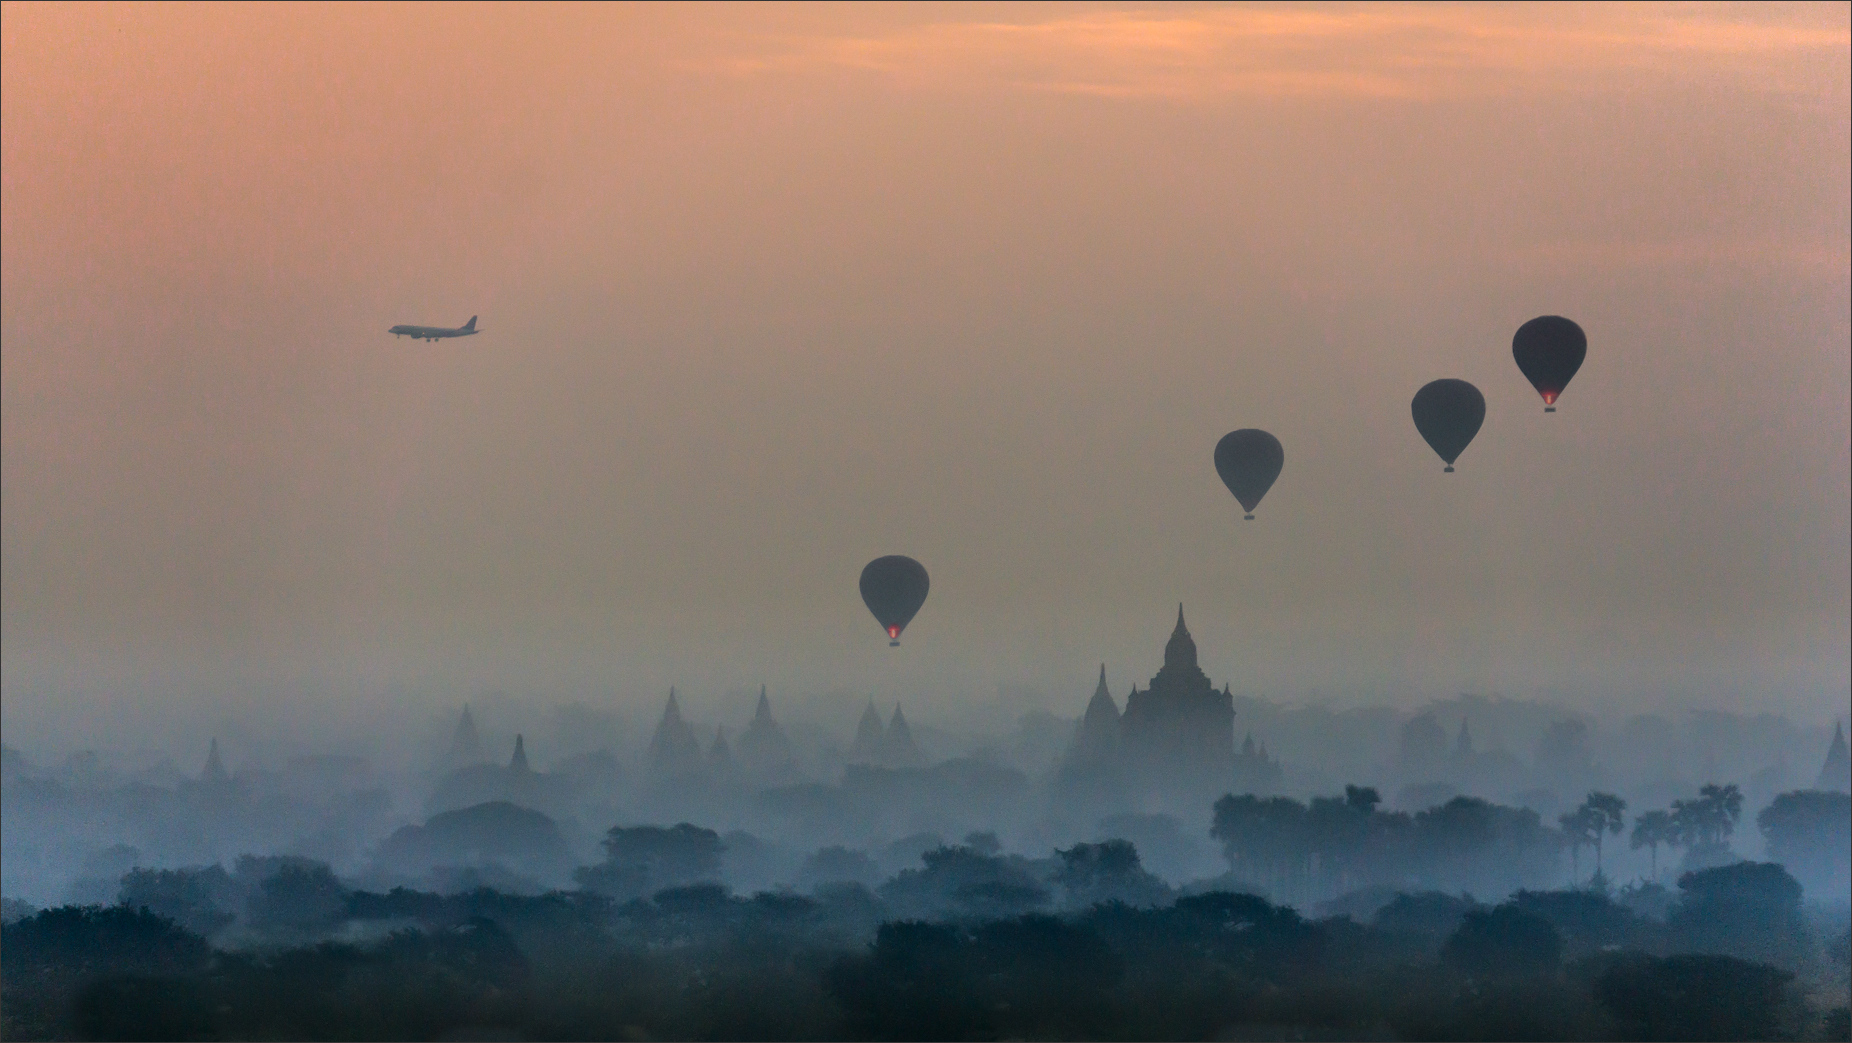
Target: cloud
<point>1390,51</point>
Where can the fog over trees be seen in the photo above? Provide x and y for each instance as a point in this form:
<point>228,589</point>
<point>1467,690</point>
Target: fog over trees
<point>1181,867</point>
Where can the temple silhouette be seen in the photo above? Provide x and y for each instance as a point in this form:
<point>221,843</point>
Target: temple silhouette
<point>465,745</point>
<point>761,755</point>
<point>674,752</point>
<point>885,746</point>
<point>1174,740</point>
<point>764,750</point>
<point>479,782</point>
<point>1836,773</point>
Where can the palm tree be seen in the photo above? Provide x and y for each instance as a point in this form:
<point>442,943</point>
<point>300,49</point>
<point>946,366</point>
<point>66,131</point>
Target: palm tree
<point>1651,830</point>
<point>1605,811</point>
<point>1704,824</point>
<point>1581,828</point>
<point>1723,806</point>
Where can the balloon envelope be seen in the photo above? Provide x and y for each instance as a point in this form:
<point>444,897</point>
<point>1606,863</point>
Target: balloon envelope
<point>1448,414</point>
<point>1249,460</point>
<point>1549,349</point>
<point>894,588</point>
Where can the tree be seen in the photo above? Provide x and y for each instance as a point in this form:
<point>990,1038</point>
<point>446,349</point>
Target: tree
<point>1245,932</point>
<point>1107,872</point>
<point>961,881</point>
<point>1504,940</point>
<point>1581,828</point>
<point>1263,838</point>
<point>1695,998</point>
<point>491,832</point>
<point>116,940</point>
<point>835,865</point>
<point>1276,842</point>
<point>641,860</point>
<point>1703,825</point>
<point>917,982</point>
<point>57,956</point>
<point>138,1007</point>
<point>201,900</point>
<point>1587,920</point>
<point>1651,830</point>
<point>1748,909</point>
<point>299,898</point>
<point>1046,978</point>
<point>1810,832</point>
<point>1345,837</point>
<point>1429,912</point>
<point>1605,809</point>
<point>1476,845</point>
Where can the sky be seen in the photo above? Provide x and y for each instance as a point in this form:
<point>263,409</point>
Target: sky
<point>769,291</point>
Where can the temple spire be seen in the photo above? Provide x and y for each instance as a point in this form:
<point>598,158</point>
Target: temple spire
<point>1102,712</point>
<point>868,736</point>
<point>897,742</point>
<point>1838,767</point>
<point>1180,650</point>
<point>518,763</point>
<point>1096,739</point>
<point>720,755</point>
<point>674,750</point>
<point>763,747</point>
<point>465,743</point>
<point>215,768</point>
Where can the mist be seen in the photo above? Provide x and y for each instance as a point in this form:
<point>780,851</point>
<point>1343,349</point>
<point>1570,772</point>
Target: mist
<point>450,662</point>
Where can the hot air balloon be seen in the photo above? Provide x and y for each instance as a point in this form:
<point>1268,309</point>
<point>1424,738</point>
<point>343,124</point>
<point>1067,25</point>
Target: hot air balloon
<point>1549,349</point>
<point>1249,460</point>
<point>894,588</point>
<point>1448,414</point>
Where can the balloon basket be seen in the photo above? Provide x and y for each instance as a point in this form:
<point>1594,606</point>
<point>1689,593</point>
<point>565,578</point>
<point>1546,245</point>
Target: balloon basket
<point>894,643</point>
<point>1447,470</point>
<point>1247,517</point>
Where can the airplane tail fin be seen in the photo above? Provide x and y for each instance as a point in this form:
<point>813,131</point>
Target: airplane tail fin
<point>471,324</point>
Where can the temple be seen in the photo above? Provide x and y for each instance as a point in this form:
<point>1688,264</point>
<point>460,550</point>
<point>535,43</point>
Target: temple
<point>674,752</point>
<point>764,749</point>
<point>465,745</point>
<point>215,774</point>
<point>1097,741</point>
<point>1836,773</point>
<point>1176,738</point>
<point>885,746</point>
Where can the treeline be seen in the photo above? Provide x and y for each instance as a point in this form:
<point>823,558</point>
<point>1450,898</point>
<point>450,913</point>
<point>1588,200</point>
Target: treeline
<point>1734,958</point>
<point>1331,845</point>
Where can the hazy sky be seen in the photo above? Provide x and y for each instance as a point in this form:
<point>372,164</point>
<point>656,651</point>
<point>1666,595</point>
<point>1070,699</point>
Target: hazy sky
<point>769,292</point>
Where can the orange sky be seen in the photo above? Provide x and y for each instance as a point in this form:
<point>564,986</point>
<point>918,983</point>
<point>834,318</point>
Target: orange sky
<point>771,291</point>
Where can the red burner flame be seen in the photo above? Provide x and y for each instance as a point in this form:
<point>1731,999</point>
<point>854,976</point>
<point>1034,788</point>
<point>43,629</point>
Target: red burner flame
<point>893,632</point>
<point>1549,397</point>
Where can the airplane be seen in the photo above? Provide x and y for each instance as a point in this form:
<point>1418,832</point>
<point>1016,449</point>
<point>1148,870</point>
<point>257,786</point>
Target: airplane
<point>436,332</point>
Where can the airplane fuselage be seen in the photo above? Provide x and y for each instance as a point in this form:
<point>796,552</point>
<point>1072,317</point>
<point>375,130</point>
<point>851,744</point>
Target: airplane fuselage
<point>468,329</point>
